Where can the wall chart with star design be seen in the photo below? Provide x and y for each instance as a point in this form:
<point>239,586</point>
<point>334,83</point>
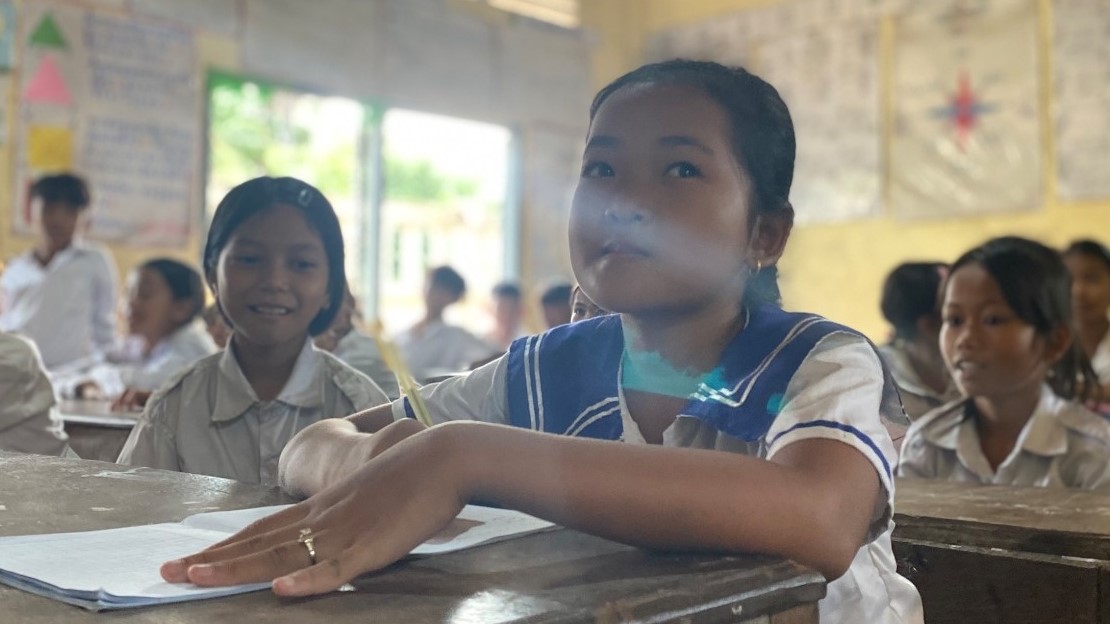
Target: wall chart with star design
<point>966,134</point>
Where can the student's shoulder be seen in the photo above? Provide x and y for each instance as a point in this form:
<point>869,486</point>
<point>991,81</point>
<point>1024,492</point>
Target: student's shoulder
<point>17,353</point>
<point>200,372</point>
<point>1084,426</point>
<point>359,389</point>
<point>939,425</point>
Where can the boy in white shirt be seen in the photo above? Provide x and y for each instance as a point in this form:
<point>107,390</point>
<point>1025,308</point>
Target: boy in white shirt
<point>432,346</point>
<point>62,293</point>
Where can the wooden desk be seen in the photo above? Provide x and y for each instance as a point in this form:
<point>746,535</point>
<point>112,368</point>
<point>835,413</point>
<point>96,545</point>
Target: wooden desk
<point>95,431</point>
<point>557,577</point>
<point>1004,554</point>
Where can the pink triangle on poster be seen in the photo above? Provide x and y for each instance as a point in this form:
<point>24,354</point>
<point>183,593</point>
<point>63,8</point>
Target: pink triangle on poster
<point>48,86</point>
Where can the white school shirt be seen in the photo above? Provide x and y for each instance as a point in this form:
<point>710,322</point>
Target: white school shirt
<point>918,398</point>
<point>29,423</point>
<point>837,388</point>
<point>129,369</point>
<point>1100,360</point>
<point>208,420</point>
<point>360,352</point>
<point>1062,445</point>
<point>439,347</point>
<point>67,307</point>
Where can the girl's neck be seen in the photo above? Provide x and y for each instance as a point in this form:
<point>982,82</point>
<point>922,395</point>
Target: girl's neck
<point>1000,420</point>
<point>266,368</point>
<point>686,341</point>
<point>1091,334</point>
<point>927,361</point>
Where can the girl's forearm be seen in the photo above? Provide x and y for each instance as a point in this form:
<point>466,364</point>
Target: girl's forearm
<point>674,498</point>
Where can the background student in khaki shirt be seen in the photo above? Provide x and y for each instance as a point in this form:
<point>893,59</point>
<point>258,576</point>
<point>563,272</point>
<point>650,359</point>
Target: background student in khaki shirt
<point>28,421</point>
<point>274,258</point>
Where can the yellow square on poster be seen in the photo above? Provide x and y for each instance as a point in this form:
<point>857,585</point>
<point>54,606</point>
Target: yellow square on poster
<point>49,148</point>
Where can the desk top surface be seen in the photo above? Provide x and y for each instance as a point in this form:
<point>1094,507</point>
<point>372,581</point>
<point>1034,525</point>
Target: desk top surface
<point>96,413</point>
<point>1049,520</point>
<point>558,576</point>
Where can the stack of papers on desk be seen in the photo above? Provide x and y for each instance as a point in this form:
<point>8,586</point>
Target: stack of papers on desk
<point>118,568</point>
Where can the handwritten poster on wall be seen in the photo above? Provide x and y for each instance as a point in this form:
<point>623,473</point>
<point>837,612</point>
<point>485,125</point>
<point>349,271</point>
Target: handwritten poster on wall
<point>966,128</point>
<point>823,57</point>
<point>1081,101</point>
<point>115,100</point>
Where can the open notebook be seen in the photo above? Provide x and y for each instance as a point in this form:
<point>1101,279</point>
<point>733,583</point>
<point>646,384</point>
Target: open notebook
<point>118,568</point>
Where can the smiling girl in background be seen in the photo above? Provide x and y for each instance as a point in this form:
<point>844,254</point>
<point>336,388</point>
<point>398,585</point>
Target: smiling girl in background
<point>274,258</point>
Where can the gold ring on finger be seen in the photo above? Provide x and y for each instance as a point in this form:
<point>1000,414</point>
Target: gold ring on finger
<point>308,540</point>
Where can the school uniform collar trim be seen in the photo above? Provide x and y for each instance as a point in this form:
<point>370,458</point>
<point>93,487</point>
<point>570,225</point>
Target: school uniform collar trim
<point>234,395</point>
<point>1043,435</point>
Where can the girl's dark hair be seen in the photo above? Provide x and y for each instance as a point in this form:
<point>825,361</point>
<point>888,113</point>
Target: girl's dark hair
<point>184,282</point>
<point>1037,287</point>
<point>1088,247</point>
<point>909,293</point>
<point>762,139</point>
<point>254,196</point>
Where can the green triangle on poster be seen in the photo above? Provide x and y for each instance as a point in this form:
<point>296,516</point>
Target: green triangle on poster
<point>48,35</point>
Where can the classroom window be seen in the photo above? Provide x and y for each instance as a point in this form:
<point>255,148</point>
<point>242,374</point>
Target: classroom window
<point>444,189</point>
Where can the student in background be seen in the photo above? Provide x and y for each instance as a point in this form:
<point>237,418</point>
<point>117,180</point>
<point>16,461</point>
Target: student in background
<point>911,305</point>
<point>508,316</point>
<point>794,462</point>
<point>164,300</point>
<point>433,347</point>
<point>1009,342</point>
<point>274,258</point>
<point>582,309</point>
<point>28,421</point>
<point>555,302</point>
<point>216,326</point>
<point>356,349</point>
<point>62,293</point>
<point>1088,263</point>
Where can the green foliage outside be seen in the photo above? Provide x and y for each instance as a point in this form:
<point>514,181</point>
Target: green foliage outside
<point>254,132</point>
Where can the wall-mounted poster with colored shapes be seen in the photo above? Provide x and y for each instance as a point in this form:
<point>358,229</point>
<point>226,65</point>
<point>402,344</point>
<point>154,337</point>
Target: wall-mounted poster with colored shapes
<point>114,100</point>
<point>966,133</point>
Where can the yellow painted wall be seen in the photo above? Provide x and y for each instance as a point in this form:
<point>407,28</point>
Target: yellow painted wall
<point>837,270</point>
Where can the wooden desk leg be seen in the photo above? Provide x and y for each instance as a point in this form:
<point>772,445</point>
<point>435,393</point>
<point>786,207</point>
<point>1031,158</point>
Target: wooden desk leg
<point>804,614</point>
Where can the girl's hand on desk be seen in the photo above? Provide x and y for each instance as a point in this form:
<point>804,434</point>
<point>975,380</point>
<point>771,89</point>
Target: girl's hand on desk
<point>131,401</point>
<point>376,516</point>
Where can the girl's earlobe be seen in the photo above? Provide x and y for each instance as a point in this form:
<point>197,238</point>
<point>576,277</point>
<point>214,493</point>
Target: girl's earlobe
<point>1058,344</point>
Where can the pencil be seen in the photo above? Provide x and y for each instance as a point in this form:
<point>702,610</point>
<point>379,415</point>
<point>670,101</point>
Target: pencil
<point>405,381</point>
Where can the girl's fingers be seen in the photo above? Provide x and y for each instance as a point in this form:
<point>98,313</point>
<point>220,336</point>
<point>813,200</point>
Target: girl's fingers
<point>255,538</point>
<point>281,520</point>
<point>262,565</point>
<point>326,576</point>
